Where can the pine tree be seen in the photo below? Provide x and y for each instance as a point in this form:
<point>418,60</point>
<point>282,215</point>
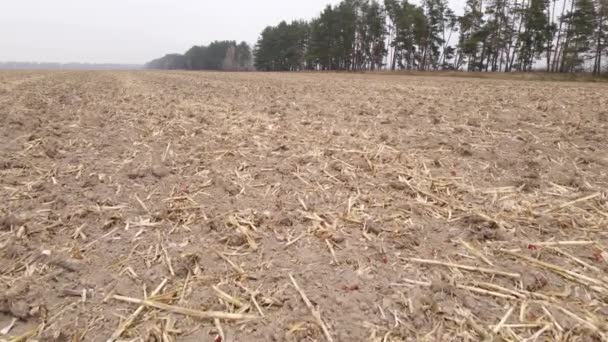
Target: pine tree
<point>535,38</point>
<point>499,31</point>
<point>435,11</point>
<point>601,35</point>
<point>494,35</point>
<point>580,32</point>
<point>471,35</point>
<point>243,56</point>
<point>373,30</point>
<point>322,40</point>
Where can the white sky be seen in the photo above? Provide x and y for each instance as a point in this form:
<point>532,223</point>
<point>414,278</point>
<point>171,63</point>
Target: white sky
<point>134,31</point>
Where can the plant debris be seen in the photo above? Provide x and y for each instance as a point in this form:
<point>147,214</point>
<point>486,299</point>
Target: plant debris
<point>289,207</point>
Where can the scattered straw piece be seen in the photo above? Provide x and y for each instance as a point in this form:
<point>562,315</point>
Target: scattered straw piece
<point>538,333</point>
<point>236,267</point>
<point>521,325</point>
<point>25,336</point>
<point>185,311</point>
<point>129,321</point>
<point>289,243</point>
<point>581,278</point>
<point>333,253</point>
<point>579,319</point>
<point>577,260</point>
<point>220,330</point>
<point>571,203</point>
<point>550,315</point>
<point>252,244</point>
<point>223,295</point>
<point>462,287</point>
<point>142,204</point>
<point>563,243</point>
<point>485,292</point>
<point>253,294</point>
<point>478,328</point>
<point>475,252</point>
<point>312,309</point>
<point>503,320</point>
<point>8,328</point>
<point>501,288</point>
<point>466,267</point>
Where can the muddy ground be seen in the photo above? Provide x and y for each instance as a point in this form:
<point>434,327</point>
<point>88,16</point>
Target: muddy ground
<point>403,208</point>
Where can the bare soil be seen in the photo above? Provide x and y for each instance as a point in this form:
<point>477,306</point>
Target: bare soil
<point>402,208</point>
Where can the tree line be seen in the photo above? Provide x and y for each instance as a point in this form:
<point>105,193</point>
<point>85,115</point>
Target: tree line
<point>490,35</point>
<point>219,55</point>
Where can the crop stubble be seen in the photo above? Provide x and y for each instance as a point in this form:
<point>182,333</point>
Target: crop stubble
<point>292,207</point>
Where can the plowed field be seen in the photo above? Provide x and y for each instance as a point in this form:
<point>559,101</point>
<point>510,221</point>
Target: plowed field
<point>174,206</point>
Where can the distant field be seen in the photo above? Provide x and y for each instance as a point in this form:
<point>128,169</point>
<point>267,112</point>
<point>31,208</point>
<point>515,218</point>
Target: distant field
<point>513,76</point>
<point>404,208</point>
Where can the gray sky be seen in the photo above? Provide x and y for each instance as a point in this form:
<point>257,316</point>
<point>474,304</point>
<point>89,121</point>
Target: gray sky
<point>134,31</point>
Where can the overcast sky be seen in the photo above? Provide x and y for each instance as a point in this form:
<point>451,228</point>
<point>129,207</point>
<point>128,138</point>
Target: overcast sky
<point>134,31</point>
